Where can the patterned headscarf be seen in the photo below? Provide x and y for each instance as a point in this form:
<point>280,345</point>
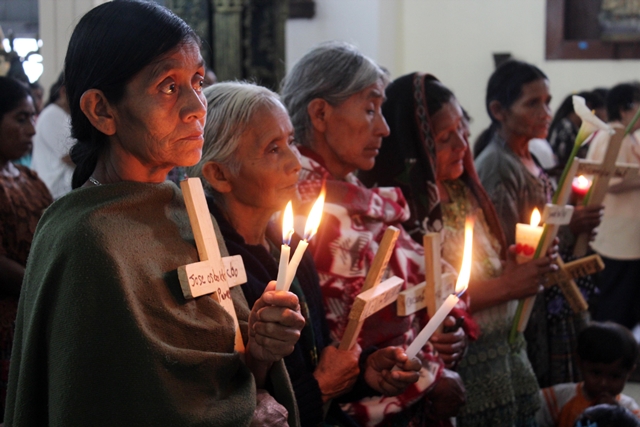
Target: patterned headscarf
<point>407,160</point>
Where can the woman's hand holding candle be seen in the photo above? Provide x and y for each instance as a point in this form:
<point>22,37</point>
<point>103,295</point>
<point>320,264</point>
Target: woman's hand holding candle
<point>275,323</point>
<point>452,343</point>
<point>523,280</point>
<point>389,371</point>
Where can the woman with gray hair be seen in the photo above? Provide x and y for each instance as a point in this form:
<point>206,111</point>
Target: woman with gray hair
<point>251,169</point>
<point>334,95</point>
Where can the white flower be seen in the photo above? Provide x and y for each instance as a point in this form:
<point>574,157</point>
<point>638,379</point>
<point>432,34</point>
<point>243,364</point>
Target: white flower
<point>590,123</point>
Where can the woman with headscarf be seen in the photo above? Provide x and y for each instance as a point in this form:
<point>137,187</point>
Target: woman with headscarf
<point>334,95</point>
<point>427,155</point>
<point>104,334</point>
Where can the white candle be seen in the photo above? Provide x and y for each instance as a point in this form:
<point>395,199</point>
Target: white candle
<point>527,238</point>
<point>434,322</point>
<point>310,228</point>
<point>452,300</point>
<point>285,250</point>
<point>294,263</point>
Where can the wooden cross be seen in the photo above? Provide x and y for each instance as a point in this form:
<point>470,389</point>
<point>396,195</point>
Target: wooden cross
<point>213,274</point>
<point>366,304</point>
<point>436,287</point>
<point>576,269</point>
<point>566,275</point>
<point>555,216</point>
<point>374,296</point>
<point>603,173</point>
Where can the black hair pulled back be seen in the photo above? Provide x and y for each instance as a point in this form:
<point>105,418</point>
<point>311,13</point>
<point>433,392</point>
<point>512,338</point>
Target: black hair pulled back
<point>13,93</point>
<point>108,47</point>
<point>621,98</point>
<point>505,86</point>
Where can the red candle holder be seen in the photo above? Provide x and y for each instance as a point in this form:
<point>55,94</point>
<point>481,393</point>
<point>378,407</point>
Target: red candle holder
<point>580,187</point>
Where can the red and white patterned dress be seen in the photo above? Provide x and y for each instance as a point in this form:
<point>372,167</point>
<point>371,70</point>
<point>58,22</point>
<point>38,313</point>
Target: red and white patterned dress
<point>353,223</point>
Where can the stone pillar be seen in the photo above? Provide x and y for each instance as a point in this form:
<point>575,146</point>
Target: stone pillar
<point>227,39</point>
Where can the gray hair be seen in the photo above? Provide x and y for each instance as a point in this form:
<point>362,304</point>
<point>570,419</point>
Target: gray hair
<point>332,71</point>
<point>231,106</point>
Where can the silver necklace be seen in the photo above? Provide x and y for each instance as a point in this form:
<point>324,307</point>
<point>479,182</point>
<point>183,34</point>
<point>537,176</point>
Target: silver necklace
<point>94,181</point>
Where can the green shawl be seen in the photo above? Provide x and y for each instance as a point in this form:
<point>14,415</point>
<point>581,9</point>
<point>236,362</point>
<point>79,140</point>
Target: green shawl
<point>104,336</point>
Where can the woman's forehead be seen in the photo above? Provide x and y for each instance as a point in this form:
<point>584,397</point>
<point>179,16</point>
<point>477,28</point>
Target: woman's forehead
<point>449,115</point>
<point>374,91</point>
<point>535,88</point>
<point>270,121</point>
<point>24,106</point>
<point>184,56</point>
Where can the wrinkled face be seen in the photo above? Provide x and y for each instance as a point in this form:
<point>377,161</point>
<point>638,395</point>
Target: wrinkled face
<point>355,130</point>
<point>603,379</point>
<point>450,139</point>
<point>530,115</point>
<point>160,120</point>
<point>17,128</point>
<point>268,167</point>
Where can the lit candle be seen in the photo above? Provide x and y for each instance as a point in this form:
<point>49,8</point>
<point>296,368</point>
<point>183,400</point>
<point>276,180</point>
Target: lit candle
<point>580,186</point>
<point>287,232</point>
<point>527,240</point>
<point>528,237</point>
<point>452,300</point>
<point>310,228</point>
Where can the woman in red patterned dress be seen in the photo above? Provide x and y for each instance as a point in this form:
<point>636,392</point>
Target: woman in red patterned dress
<point>23,198</point>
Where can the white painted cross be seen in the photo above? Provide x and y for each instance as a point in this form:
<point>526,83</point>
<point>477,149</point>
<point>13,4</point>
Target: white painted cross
<point>374,295</point>
<point>213,274</point>
<point>603,173</point>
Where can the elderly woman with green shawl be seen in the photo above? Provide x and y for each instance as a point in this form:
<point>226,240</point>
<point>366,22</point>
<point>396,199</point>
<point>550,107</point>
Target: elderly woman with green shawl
<point>104,335</point>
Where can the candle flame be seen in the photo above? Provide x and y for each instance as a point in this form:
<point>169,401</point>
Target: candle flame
<point>583,182</point>
<point>287,224</point>
<point>465,270</point>
<point>313,221</point>
<point>535,217</point>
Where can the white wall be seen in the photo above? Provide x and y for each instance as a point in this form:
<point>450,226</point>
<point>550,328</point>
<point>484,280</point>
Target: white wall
<point>58,18</point>
<point>371,25</point>
<point>454,40</point>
